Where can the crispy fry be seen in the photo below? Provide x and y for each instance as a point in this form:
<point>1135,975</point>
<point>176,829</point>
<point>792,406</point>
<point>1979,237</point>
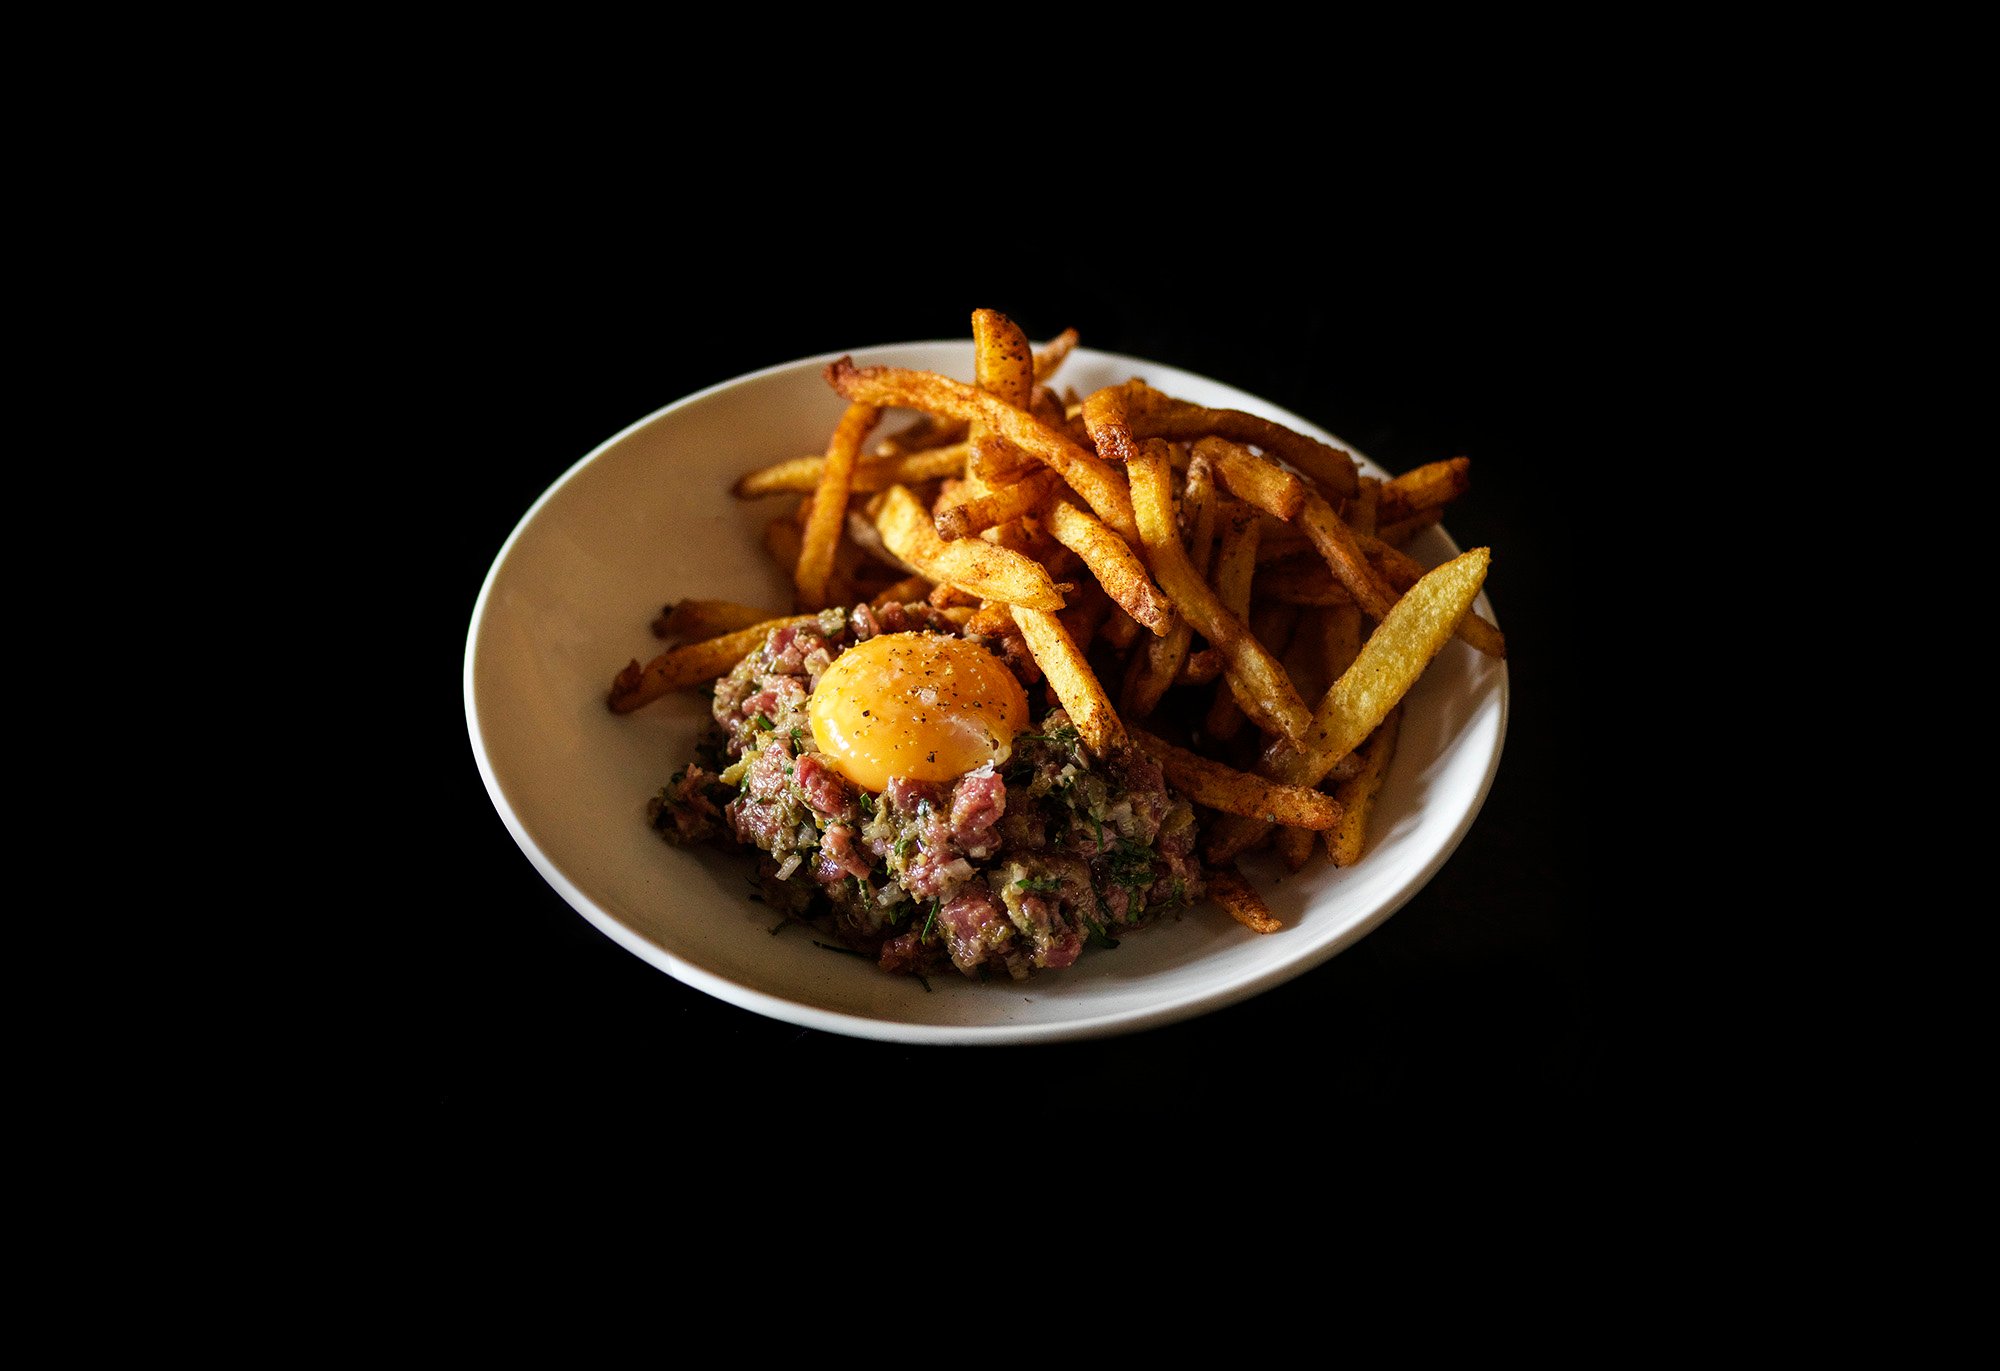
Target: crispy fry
<point>1154,415</point>
<point>1000,505</point>
<point>1075,684</point>
<point>1259,480</point>
<point>944,596</point>
<point>1295,846</point>
<point>1390,662</point>
<point>1148,677</point>
<point>1300,581</point>
<point>1255,677</point>
<point>1231,791</point>
<point>1111,560</point>
<point>1003,366</point>
<point>1228,888</point>
<point>1338,544</point>
<point>1431,486</point>
<point>1238,530</point>
<point>1100,486</point>
<point>706,618</point>
<point>829,511</point>
<point>1345,839</point>
<point>1402,572</point>
<point>982,568</point>
<point>1402,530</point>
<point>690,664</point>
<point>928,432</point>
<point>1272,625</point>
<point>1052,353</point>
<point>801,475</point>
<point>1361,510</point>
<point>1121,630</point>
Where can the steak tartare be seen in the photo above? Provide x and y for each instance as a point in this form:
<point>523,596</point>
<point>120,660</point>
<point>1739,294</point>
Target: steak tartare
<point>1012,866</point>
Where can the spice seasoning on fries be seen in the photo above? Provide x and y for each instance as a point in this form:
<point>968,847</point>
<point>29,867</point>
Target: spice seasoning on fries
<point>925,754</point>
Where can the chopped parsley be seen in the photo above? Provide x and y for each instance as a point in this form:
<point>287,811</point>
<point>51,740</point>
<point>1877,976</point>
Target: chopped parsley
<point>763,722</point>
<point>1039,885</point>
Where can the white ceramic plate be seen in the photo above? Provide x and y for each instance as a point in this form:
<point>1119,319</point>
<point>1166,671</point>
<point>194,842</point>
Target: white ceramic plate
<point>648,518</point>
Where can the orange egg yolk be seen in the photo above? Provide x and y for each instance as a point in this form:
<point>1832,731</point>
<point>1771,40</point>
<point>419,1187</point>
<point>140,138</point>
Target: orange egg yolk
<point>924,706</point>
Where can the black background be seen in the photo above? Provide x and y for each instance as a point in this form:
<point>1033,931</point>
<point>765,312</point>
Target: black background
<point>1411,339</point>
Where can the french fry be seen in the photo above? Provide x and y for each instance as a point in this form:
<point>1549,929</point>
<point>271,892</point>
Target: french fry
<point>982,568</point>
<point>1000,505</point>
<point>1258,480</point>
<point>1337,543</point>
<point>706,618</point>
<point>1237,530</point>
<point>1150,675</point>
<point>1395,655</point>
<point>1273,625</point>
<point>1346,838</point>
<point>1155,415</point>
<point>1254,675</point>
<point>829,511</point>
<point>1228,888</point>
<point>1295,846</point>
<point>1111,560</point>
<point>1362,509</point>
<point>1401,572</point>
<point>1050,356</point>
<point>1074,683</point>
<point>1102,488</point>
<point>801,475</point>
<point>691,664</point>
<point>1224,788</point>
<point>1401,531</point>
<point>1431,486</point>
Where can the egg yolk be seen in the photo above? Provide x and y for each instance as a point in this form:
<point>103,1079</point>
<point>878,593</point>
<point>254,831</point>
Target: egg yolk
<point>924,706</point>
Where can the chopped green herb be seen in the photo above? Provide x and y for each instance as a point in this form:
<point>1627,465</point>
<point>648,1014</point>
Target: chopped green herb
<point>1098,937</point>
<point>925,936</point>
<point>798,744</point>
<point>1039,885</point>
<point>763,722</point>
<point>843,951</point>
<point>922,982</point>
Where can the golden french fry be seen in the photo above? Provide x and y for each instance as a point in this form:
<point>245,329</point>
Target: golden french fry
<point>1154,415</point>
<point>1254,675</point>
<point>1395,655</point>
<point>1102,488</point>
<point>1228,888</point>
<point>1362,510</point>
<point>1431,486</point>
<point>801,475</point>
<point>1295,846</point>
<point>1237,533</point>
<point>1111,560</point>
<point>1148,677</point>
<point>1338,544</point>
<point>1402,530</point>
<point>706,618</point>
<point>999,505</point>
<point>1345,839</point>
<point>1074,683</point>
<point>1051,355</point>
<point>829,510</point>
<point>1272,625</point>
<point>691,664</point>
<point>1259,480</point>
<point>984,569</point>
<point>1231,791</point>
<point>1401,571</point>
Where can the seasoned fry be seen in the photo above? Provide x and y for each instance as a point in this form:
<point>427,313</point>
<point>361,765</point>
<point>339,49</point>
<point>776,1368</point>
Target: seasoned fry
<point>1003,366</point>
<point>1337,543</point>
<point>829,511</point>
<point>1259,480</point>
<point>706,618</point>
<point>1389,663</point>
<point>1100,486</point>
<point>1053,352</point>
<point>1112,561</point>
<point>1148,677</point>
<point>1154,415</point>
<point>801,475</point>
<point>1272,625</point>
<point>973,564</point>
<point>1000,505</point>
<point>1431,486</point>
<point>1238,530</point>
<point>1402,572</point>
<point>1295,847</point>
<point>1228,888</point>
<point>1075,684</point>
<point>1255,677</point>
<point>690,664</point>
<point>1361,510</point>
<point>1225,788</point>
<point>929,431</point>
<point>1346,838</point>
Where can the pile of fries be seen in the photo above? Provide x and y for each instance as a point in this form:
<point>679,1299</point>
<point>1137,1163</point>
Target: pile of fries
<point>1221,568</point>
